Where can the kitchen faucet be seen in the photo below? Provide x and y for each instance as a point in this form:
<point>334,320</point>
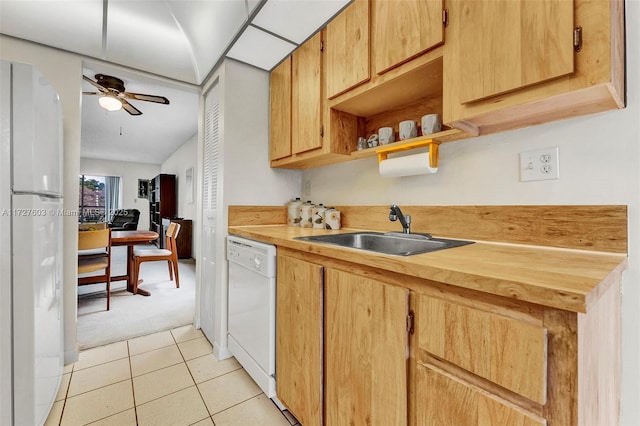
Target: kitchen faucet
<point>405,220</point>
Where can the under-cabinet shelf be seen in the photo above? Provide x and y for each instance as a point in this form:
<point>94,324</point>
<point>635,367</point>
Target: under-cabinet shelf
<point>443,136</point>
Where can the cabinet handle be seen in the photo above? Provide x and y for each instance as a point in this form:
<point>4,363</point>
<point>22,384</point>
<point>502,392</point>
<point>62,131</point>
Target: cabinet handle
<point>577,39</point>
<point>445,17</point>
<point>410,322</point>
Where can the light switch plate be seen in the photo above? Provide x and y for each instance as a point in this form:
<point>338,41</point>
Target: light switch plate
<point>539,164</point>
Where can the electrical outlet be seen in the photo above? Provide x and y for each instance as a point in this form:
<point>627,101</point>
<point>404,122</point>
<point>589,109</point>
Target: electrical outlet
<point>539,164</point>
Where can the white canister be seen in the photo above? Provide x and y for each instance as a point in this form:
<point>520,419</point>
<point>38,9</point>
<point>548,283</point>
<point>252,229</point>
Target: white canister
<point>317,216</point>
<point>306,214</point>
<point>293,212</point>
<point>332,218</point>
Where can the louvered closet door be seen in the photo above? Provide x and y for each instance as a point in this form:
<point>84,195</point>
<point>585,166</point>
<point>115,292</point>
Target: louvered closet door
<point>209,211</point>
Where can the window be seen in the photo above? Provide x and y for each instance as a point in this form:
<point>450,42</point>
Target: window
<point>99,198</point>
<point>92,198</point>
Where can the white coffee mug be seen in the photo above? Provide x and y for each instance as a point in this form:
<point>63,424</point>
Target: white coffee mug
<point>386,135</point>
<point>408,129</point>
<point>431,124</point>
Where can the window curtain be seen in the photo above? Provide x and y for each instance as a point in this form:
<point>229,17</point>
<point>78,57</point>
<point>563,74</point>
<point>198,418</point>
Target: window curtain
<point>112,196</point>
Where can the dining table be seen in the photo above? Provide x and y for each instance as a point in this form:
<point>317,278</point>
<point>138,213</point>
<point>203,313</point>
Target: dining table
<point>130,239</point>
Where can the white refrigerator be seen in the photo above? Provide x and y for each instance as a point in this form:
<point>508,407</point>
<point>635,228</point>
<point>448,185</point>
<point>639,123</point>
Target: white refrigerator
<point>31,344</point>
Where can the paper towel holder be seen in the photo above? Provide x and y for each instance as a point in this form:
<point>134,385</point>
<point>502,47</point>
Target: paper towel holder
<point>433,150</point>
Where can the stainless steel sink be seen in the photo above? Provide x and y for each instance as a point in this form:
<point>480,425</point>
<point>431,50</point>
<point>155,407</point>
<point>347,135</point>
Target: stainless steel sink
<point>389,243</point>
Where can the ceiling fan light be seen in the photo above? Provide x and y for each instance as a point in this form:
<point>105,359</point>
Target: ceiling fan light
<point>110,103</point>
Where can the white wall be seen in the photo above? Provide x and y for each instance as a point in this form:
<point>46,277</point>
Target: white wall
<point>244,176</point>
<point>129,173</point>
<point>184,158</point>
<point>599,164</point>
<point>248,179</point>
<point>64,71</point>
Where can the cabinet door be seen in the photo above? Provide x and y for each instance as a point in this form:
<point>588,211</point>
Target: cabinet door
<point>402,30</point>
<point>503,45</point>
<point>442,399</point>
<point>506,351</point>
<point>347,49</point>
<point>280,109</point>
<point>366,351</point>
<point>299,338</point>
<point>306,126</point>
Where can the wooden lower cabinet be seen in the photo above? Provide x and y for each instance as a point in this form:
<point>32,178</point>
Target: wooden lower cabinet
<point>366,345</point>
<point>443,399</point>
<point>299,338</point>
<point>359,345</point>
<point>491,343</point>
<point>479,359</point>
<point>478,363</point>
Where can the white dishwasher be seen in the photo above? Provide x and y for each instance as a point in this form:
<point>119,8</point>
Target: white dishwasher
<point>252,309</point>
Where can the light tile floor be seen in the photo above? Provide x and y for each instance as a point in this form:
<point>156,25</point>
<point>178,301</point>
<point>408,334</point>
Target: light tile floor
<point>166,378</point>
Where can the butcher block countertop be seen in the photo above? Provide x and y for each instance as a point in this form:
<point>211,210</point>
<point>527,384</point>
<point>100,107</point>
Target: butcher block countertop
<point>567,279</point>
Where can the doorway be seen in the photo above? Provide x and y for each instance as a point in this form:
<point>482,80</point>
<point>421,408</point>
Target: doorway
<point>163,139</point>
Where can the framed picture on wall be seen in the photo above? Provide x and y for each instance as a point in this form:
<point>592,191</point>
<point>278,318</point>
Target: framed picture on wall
<point>143,188</point>
<point>189,182</point>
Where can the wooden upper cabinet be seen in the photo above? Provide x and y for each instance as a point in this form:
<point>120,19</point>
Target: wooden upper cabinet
<point>299,338</point>
<point>402,30</point>
<point>346,49</point>
<point>306,125</point>
<point>506,44</point>
<point>509,64</point>
<point>280,111</point>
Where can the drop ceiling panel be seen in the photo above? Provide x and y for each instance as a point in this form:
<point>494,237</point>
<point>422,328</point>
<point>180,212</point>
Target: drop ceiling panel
<point>149,39</point>
<point>210,26</point>
<point>296,20</point>
<point>260,49</point>
<point>251,5</point>
<point>75,26</point>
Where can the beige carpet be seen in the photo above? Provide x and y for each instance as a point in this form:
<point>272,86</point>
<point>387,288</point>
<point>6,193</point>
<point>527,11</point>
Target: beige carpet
<point>134,315</point>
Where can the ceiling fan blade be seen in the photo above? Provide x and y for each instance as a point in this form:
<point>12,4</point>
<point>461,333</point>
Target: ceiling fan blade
<point>92,93</point>
<point>102,89</point>
<point>130,108</point>
<point>148,98</point>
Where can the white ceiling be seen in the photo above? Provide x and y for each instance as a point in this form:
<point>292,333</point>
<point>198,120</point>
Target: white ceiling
<point>180,40</point>
<point>148,138</point>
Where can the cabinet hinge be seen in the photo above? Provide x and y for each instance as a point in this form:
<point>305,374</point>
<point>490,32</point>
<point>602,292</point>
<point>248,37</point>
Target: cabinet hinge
<point>445,17</point>
<point>410,322</point>
<point>321,131</point>
<point>577,39</point>
<point>322,46</point>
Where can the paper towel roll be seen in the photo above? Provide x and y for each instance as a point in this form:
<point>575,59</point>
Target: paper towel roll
<point>409,165</point>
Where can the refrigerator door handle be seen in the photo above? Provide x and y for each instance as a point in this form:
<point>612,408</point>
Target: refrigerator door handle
<point>44,195</point>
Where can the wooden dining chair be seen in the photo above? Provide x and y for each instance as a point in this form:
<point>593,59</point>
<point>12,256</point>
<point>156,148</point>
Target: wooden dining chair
<point>94,254</point>
<point>170,254</point>
<point>92,226</point>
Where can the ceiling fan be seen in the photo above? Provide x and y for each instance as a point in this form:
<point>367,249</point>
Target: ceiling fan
<point>113,95</point>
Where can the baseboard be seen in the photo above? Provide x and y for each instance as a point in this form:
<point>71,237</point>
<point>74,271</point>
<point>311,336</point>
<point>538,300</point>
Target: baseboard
<point>221,352</point>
